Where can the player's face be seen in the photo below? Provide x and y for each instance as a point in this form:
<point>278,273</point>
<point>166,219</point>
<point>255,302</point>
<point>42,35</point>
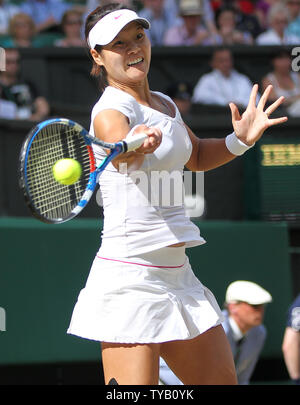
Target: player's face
<point>127,58</point>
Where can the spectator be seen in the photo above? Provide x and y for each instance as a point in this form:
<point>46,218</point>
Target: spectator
<point>7,11</point>
<point>245,21</point>
<point>228,32</point>
<point>285,83</point>
<point>244,312</point>
<point>22,32</point>
<point>191,30</point>
<point>93,4</point>
<point>209,18</point>
<point>46,14</point>
<point>71,26</point>
<point>278,20</point>
<point>294,25</point>
<point>261,11</point>
<point>208,14</point>
<point>161,20</point>
<point>19,97</point>
<point>181,94</point>
<point>223,84</point>
<point>291,342</point>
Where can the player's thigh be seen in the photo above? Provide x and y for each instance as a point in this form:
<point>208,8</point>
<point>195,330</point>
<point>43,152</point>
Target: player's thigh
<point>206,359</point>
<point>131,364</point>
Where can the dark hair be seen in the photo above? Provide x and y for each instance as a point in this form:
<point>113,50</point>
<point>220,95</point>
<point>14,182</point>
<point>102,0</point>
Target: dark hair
<point>221,11</point>
<point>91,21</point>
<point>220,48</point>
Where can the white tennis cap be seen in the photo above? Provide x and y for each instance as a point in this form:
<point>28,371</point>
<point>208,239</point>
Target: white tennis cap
<point>247,291</point>
<point>110,25</point>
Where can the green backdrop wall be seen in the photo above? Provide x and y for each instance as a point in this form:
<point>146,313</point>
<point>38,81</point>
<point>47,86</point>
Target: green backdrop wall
<point>43,268</point>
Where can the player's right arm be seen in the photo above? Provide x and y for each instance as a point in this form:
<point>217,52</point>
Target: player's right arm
<point>112,126</point>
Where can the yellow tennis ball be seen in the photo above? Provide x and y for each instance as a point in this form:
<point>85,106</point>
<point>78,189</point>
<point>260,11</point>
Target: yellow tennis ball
<point>67,171</point>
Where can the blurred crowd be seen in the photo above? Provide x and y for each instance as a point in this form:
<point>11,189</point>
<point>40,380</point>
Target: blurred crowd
<point>217,23</point>
<point>39,23</point>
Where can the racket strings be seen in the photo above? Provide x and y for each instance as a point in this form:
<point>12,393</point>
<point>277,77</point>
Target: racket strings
<point>52,199</point>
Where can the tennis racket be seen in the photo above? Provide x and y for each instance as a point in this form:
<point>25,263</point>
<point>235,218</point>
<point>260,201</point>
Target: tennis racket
<point>56,139</point>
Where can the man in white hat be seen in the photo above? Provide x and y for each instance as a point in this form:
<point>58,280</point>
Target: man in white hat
<point>190,30</point>
<point>244,311</point>
<point>245,305</point>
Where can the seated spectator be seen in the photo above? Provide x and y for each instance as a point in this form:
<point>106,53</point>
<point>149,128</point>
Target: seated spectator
<point>245,21</point>
<point>285,83</point>
<point>223,84</point>
<point>71,26</point>
<point>46,14</point>
<point>181,94</point>
<point>161,20</point>
<point>294,25</point>
<point>91,5</point>
<point>278,20</point>
<point>261,11</point>
<point>79,5</point>
<point>7,11</point>
<point>227,30</point>
<point>243,312</point>
<point>172,6</point>
<point>191,30</point>
<point>19,99</point>
<point>22,32</point>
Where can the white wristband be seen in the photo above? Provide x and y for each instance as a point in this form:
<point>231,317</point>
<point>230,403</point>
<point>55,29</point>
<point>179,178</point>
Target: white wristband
<point>235,145</point>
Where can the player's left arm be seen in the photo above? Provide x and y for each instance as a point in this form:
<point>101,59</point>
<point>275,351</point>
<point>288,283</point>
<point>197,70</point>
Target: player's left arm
<point>249,127</point>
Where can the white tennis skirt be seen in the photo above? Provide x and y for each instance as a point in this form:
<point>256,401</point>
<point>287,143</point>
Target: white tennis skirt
<point>151,298</point>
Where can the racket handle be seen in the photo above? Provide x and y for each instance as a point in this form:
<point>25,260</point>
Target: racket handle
<point>134,142</point>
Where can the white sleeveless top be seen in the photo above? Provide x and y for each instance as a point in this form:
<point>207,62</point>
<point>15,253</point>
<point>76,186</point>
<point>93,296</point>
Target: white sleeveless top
<point>136,220</point>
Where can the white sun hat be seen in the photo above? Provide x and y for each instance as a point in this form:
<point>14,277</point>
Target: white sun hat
<point>110,25</point>
<point>247,291</point>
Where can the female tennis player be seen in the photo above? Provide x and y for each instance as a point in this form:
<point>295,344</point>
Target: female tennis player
<point>142,299</point>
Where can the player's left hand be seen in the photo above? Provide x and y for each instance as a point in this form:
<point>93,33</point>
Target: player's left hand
<point>254,121</point>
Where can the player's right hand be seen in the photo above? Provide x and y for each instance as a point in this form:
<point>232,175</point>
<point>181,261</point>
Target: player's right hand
<point>152,142</point>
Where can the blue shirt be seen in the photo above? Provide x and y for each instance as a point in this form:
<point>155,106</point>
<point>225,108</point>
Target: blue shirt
<point>159,26</point>
<point>294,27</point>
<point>40,11</point>
<point>293,320</point>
